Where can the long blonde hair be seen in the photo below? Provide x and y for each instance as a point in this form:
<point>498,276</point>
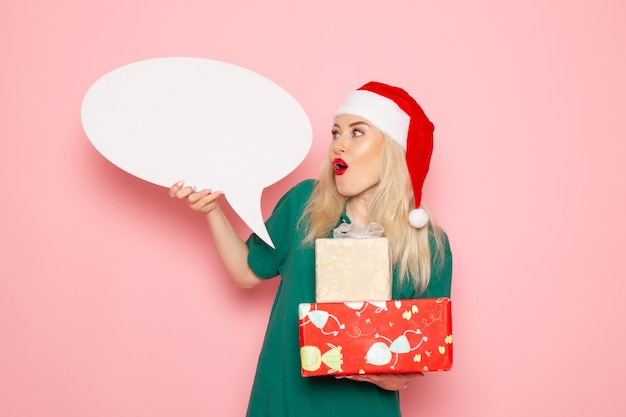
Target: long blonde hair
<point>389,207</point>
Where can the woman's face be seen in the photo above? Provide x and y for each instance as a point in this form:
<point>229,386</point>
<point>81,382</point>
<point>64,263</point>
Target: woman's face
<point>355,155</point>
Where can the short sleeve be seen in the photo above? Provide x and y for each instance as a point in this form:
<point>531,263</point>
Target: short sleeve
<point>283,229</point>
<point>440,275</point>
<point>441,270</point>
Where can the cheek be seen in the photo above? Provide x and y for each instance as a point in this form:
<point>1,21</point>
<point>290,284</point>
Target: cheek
<point>373,156</point>
<point>331,151</point>
<point>369,167</point>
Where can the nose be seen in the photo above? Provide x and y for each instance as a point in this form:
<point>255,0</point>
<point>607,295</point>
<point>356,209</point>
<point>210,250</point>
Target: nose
<point>340,144</point>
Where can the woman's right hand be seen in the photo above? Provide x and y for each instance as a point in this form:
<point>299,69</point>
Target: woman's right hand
<point>231,249</point>
<point>204,201</point>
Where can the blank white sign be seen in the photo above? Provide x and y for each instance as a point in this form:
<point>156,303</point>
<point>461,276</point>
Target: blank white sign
<point>212,124</point>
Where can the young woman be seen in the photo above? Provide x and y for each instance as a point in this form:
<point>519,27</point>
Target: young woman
<point>378,158</point>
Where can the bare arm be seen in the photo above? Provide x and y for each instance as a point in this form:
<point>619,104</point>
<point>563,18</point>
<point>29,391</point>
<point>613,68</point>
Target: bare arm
<point>231,249</point>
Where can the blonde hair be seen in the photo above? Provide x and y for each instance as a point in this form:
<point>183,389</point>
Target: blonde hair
<point>389,207</point>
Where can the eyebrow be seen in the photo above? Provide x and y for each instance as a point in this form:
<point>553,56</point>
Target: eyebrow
<point>358,122</point>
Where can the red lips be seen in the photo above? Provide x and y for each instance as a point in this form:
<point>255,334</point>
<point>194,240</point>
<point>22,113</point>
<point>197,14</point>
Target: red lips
<point>340,166</point>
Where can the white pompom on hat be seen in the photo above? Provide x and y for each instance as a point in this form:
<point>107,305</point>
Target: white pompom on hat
<point>394,112</point>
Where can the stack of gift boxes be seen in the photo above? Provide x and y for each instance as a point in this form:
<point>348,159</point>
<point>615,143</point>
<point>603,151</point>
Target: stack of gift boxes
<point>355,327</point>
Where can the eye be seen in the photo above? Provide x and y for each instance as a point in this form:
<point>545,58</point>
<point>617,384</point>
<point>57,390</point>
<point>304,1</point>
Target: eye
<point>357,132</point>
<point>335,134</point>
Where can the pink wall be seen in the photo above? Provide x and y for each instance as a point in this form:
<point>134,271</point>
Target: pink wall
<point>112,301</point>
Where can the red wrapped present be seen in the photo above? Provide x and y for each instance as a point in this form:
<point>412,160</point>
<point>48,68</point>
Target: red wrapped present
<point>394,336</point>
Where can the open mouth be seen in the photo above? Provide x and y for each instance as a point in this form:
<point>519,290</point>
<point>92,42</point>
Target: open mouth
<point>340,166</point>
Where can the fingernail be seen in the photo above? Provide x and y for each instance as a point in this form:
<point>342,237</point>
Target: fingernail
<point>207,191</point>
<point>218,192</point>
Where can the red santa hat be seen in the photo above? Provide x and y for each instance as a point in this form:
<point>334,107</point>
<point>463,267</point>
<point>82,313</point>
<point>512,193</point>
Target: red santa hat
<point>394,112</point>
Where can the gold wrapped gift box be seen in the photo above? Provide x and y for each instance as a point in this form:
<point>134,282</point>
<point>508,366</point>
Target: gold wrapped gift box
<point>350,269</point>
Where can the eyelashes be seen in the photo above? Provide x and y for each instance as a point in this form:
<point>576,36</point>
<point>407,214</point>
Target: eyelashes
<point>356,132</point>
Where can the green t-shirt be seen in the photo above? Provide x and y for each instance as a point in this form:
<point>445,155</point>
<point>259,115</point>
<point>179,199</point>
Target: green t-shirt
<point>279,390</point>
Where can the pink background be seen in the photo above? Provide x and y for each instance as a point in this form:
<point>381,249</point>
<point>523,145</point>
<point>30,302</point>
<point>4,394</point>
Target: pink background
<point>112,301</point>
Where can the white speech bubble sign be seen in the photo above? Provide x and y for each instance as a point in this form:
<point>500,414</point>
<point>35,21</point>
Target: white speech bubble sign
<point>212,124</point>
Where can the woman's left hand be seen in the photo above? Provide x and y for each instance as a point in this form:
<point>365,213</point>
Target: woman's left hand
<point>391,382</point>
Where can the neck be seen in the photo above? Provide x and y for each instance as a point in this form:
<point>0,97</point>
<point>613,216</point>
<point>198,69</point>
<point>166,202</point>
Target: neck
<point>357,210</point>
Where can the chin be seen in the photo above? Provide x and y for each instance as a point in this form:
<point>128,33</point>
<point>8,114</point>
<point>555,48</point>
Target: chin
<point>346,192</point>
<point>343,192</point>
<point>353,190</point>
<point>341,187</point>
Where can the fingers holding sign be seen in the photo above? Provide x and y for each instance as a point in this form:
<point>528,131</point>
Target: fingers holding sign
<point>203,201</point>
